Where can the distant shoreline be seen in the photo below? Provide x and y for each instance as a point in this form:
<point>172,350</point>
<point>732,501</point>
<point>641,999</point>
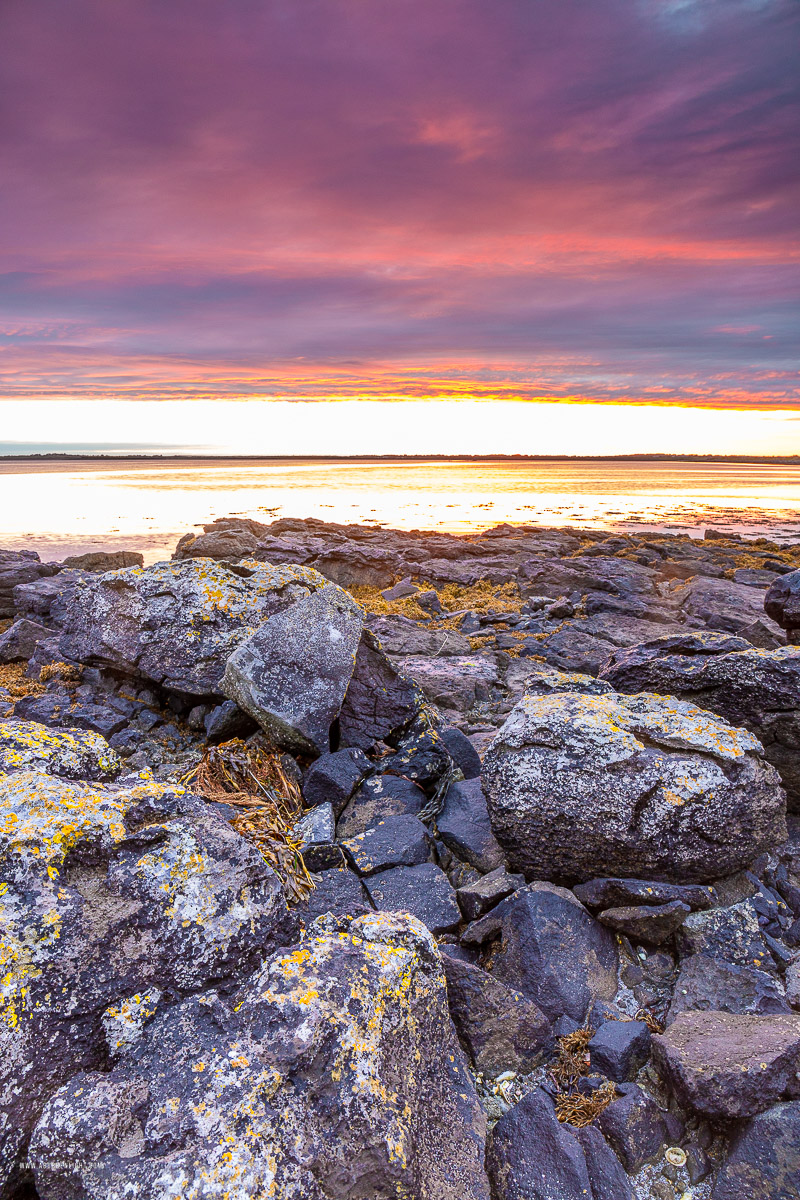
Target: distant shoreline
<point>57,457</point>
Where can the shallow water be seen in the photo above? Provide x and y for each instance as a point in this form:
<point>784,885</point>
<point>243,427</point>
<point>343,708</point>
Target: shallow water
<point>64,508</point>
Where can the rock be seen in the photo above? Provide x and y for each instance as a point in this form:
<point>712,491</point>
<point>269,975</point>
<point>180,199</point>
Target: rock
<point>729,607</point>
<point>727,1066</point>
<point>465,828</point>
<point>634,1127</point>
<point>226,721</point>
<point>553,951</point>
<point>757,689</point>
<point>38,599</point>
<point>423,890</point>
<point>540,679</point>
<point>108,890</point>
<point>316,825</point>
<point>379,797</point>
<point>572,650</point>
<point>645,923</point>
<point>19,641</point>
<point>175,623</point>
<point>643,785</point>
<point>710,984</point>
<point>501,1029</point>
<point>793,983</point>
<point>454,682</point>
<point>400,590</point>
<point>17,567</point>
<point>231,544</point>
<point>62,709</point>
<point>477,898</point>
<point>336,891</point>
<point>532,1156</point>
<point>334,777</point>
<point>380,700</point>
<point>104,560</point>
<point>401,841</point>
<point>619,1049</point>
<point>401,636</point>
<point>764,1158</point>
<point>732,934</point>
<point>781,604</point>
<point>754,577</point>
<point>291,675</point>
<point>615,893</point>
<point>462,751</point>
<point>559,577</point>
<point>421,754</point>
<point>606,1176</point>
<point>77,754</point>
<point>332,1077</point>
<point>358,566</point>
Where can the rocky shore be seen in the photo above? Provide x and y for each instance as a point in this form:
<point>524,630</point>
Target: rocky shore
<point>344,863</point>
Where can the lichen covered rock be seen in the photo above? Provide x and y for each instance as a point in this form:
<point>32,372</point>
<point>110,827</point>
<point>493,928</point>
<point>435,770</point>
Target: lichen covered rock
<point>640,786</point>
<point>335,1075</point>
<point>175,623</point>
<point>105,892</point>
<point>72,753</point>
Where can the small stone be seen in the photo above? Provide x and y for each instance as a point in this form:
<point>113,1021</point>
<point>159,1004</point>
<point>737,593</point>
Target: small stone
<point>477,898</point>
<point>619,893</point>
<point>400,590</point>
<point>401,841</point>
<point>464,826</point>
<point>532,1156</point>
<point>619,1049</point>
<point>764,1158</point>
<point>634,1126</point>
<point>379,797</point>
<point>644,923</point>
<point>462,751</point>
<point>423,890</point>
<point>334,778</point>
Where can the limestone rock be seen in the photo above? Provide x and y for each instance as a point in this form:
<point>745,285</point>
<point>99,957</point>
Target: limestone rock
<point>175,623</point>
<point>333,1076</point>
<point>640,786</point>
<point>292,673</point>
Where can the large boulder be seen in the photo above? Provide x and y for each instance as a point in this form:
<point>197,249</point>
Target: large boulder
<point>782,604</point>
<point>175,623</point>
<point>764,1159</point>
<point>16,567</point>
<point>292,674</point>
<point>106,891</point>
<point>381,701</point>
<point>334,1076</point>
<point>636,786</point>
<point>759,689</point>
<point>532,1156</point>
<point>728,607</point>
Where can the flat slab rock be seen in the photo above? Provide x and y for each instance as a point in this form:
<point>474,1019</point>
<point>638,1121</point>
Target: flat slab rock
<point>708,984</point>
<point>645,786</point>
<point>423,890</point>
<point>764,1158</point>
<point>726,1066</point>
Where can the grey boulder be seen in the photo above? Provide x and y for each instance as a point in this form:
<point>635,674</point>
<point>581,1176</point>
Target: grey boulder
<point>292,673</point>
<point>764,1158</point>
<point>532,1156</point>
<point>175,623</point>
<point>710,984</point>
<point>642,786</point>
<point>782,604</point>
<point>423,890</point>
<point>19,641</point>
<point>333,1076</point>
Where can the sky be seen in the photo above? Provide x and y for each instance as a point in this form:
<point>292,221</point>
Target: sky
<point>589,202</point>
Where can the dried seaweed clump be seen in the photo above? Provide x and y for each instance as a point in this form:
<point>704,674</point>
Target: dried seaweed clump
<point>572,1063</point>
<point>650,1019</point>
<point>12,678</point>
<point>251,778</point>
<point>66,672</point>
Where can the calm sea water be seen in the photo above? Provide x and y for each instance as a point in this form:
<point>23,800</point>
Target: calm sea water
<point>69,508</point>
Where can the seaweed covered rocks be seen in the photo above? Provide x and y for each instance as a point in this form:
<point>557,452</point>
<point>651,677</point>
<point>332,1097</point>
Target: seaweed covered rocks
<point>643,786</point>
<point>335,1074</point>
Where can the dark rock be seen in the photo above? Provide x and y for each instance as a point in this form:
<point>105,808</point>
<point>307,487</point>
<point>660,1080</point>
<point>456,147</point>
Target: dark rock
<point>727,606</point>
<point>226,721</point>
<point>606,1176</point>
<point>757,689</point>
<point>231,544</point>
<point>401,841</point>
<point>726,1066</point>
<point>558,577</point>
<point>337,891</point>
<point>379,797</point>
<point>764,1158</point>
<point>74,754</point>
<point>380,701</point>
<point>645,923</point>
<point>477,898</point>
<point>732,934</point>
<point>532,1156</point>
<point>332,1077</point>
<point>38,599</point>
<point>291,675</point>
<point>619,1049</point>
<point>19,641</point>
<point>615,893</point>
<point>400,590</point>
<point>17,567</point>
<point>104,560</point>
<point>465,828</point>
<point>501,1029</point>
<point>453,682</point>
<point>634,1127</point>
<point>316,825</point>
<point>421,754</point>
<point>462,751</point>
<point>61,710</point>
<point>553,951</point>
<point>175,623</point>
<point>782,604</point>
<point>423,890</point>
<point>709,984</point>
<point>334,778</point>
<point>641,785</point>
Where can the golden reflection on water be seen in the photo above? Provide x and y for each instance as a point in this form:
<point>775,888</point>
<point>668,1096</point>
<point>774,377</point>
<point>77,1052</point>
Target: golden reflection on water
<point>61,508</point>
